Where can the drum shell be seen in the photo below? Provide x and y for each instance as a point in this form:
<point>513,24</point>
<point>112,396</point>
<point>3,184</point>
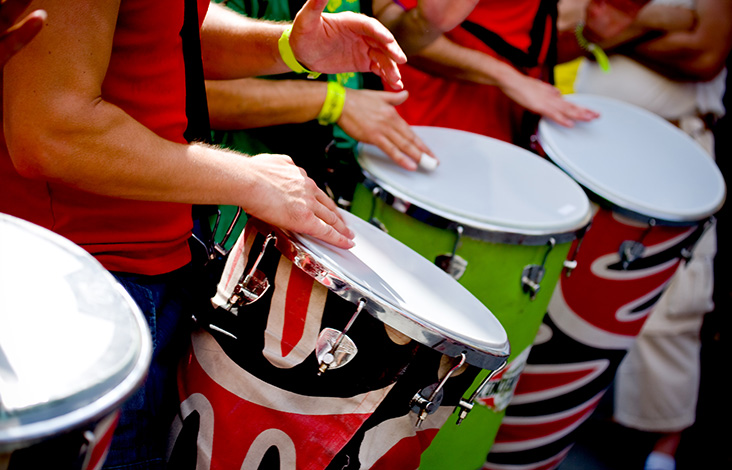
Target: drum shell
<point>493,275</point>
<point>258,399</point>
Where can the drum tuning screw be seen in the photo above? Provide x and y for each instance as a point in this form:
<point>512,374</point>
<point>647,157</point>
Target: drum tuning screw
<point>426,406</point>
<point>328,353</point>
<point>254,284</point>
<point>466,406</point>
<point>533,274</point>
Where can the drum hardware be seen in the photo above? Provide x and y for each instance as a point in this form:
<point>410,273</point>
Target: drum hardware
<point>533,273</point>
<point>376,192</point>
<point>465,406</point>
<point>453,264</point>
<point>630,250</point>
<point>219,247</point>
<point>426,406</point>
<point>334,348</point>
<point>253,285</point>
<point>570,264</point>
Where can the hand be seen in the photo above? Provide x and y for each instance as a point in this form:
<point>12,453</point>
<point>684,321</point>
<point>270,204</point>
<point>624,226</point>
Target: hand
<point>345,42</point>
<point>287,198</point>
<point>369,116</point>
<point>14,35</point>
<point>546,100</point>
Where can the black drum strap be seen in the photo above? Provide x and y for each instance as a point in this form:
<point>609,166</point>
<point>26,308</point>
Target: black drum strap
<point>199,127</point>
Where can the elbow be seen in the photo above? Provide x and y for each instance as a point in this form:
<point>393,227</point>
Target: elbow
<point>31,155</point>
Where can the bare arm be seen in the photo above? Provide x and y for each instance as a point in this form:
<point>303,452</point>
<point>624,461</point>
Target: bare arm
<point>697,54</point>
<point>446,58</point>
<point>235,46</point>
<point>58,127</point>
<point>368,116</point>
<point>416,28</point>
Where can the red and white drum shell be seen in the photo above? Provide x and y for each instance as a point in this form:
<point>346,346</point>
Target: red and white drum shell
<point>654,191</point>
<point>73,347</point>
<point>252,379</point>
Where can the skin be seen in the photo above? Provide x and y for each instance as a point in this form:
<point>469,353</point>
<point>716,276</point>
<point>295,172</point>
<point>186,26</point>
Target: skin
<point>14,33</point>
<point>438,55</point>
<point>368,116</point>
<point>58,127</point>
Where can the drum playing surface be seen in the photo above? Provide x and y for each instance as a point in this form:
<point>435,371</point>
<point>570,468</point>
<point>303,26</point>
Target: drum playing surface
<point>484,183</point>
<point>73,345</point>
<point>430,306</point>
<point>636,160</point>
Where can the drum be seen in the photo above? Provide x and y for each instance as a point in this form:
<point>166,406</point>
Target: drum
<point>73,348</point>
<point>654,190</point>
<point>501,221</point>
<point>317,357</point>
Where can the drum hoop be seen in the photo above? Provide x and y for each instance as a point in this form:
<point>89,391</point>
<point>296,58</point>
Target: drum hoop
<point>403,321</point>
<point>68,416</point>
<point>483,232</point>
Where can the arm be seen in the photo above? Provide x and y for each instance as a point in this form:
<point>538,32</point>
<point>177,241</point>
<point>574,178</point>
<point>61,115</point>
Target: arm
<point>368,116</point>
<point>698,54</point>
<point>416,28</point>
<point>445,58</point>
<point>15,34</point>
<point>234,46</point>
<point>59,128</point>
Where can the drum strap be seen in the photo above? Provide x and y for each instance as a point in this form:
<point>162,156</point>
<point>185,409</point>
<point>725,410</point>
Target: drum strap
<point>538,35</point>
<point>199,127</point>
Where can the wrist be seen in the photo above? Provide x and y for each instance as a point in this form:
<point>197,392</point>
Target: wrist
<point>332,109</point>
<point>288,56</point>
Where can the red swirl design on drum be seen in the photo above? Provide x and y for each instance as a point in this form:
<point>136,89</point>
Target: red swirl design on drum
<point>603,294</point>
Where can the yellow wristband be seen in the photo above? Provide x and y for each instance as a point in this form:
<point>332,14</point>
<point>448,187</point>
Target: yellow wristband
<point>332,108</point>
<point>289,57</point>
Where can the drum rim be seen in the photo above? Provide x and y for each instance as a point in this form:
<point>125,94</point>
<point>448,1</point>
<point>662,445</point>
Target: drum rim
<point>617,202</point>
<point>441,219</point>
<point>351,290</point>
<point>25,429</point>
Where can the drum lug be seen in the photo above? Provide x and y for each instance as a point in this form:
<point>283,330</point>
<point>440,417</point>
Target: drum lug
<point>453,264</point>
<point>252,286</point>
<point>426,406</point>
<point>533,273</point>
<point>328,351</point>
<point>465,406</point>
<point>630,251</point>
<point>331,356</point>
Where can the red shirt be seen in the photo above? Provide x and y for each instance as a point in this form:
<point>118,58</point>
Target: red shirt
<point>518,32</point>
<point>146,78</point>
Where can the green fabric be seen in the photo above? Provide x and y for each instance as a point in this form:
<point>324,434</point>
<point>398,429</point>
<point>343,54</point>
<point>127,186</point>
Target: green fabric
<point>306,142</point>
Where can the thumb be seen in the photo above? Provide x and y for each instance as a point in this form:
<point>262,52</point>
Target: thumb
<point>394,98</point>
<point>311,8</point>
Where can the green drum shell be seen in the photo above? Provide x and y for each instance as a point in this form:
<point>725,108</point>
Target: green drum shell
<point>493,275</point>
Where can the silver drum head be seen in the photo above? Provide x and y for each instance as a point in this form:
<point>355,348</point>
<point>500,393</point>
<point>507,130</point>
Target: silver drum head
<point>637,161</point>
<point>73,344</point>
<point>405,291</point>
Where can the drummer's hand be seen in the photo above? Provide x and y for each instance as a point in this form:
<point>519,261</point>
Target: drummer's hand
<point>369,117</point>
<point>546,100</point>
<point>345,42</point>
<point>287,198</point>
<point>15,34</point>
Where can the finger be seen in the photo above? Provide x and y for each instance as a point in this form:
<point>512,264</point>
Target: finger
<point>10,11</point>
<point>388,69</point>
<point>21,34</point>
<point>331,206</point>
<point>331,228</point>
<point>394,98</point>
<point>397,156</point>
<point>378,37</point>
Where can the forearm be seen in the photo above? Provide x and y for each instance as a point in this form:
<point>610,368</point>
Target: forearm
<point>447,59</point>
<point>253,102</point>
<point>234,46</point>
<point>98,148</point>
